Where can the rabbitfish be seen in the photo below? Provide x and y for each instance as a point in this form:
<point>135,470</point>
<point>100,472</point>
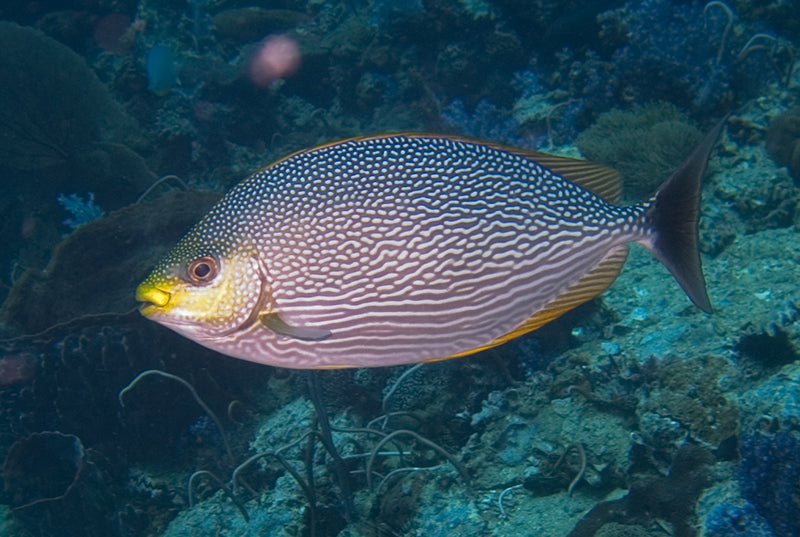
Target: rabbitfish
<point>403,248</point>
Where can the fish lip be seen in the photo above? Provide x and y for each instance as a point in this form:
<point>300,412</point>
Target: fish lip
<point>148,309</point>
<point>153,299</point>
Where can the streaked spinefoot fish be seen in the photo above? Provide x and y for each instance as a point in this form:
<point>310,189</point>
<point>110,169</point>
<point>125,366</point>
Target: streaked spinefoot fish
<point>403,248</point>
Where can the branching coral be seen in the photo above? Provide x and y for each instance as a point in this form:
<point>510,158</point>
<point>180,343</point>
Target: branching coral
<point>239,491</point>
<point>203,405</point>
<point>553,482</point>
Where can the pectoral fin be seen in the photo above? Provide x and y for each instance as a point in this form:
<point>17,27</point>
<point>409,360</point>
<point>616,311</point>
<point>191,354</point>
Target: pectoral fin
<point>275,322</point>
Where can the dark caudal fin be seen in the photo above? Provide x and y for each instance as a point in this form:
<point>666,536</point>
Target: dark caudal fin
<point>674,213</point>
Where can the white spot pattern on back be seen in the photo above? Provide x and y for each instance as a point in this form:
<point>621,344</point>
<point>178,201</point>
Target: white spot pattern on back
<point>408,248</point>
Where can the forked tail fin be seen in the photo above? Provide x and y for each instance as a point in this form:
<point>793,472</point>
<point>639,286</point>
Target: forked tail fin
<point>674,213</point>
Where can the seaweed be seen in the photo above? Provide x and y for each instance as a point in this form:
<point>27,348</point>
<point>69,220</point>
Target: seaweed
<point>343,456</point>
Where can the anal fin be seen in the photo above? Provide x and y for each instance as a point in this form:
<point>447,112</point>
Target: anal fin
<point>588,287</point>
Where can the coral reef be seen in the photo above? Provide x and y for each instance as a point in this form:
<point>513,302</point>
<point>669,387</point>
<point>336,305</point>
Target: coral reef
<point>56,487</point>
<point>62,131</point>
<point>82,211</point>
<point>728,520</point>
<point>769,476</point>
<point>634,415</point>
<point>253,23</point>
<point>114,249</point>
<point>688,397</point>
<point>783,141</point>
<point>54,108</point>
<point>669,497</point>
<point>486,122</point>
<point>645,144</point>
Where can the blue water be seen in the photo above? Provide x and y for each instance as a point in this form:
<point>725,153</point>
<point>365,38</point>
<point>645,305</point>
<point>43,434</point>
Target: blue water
<point>635,414</point>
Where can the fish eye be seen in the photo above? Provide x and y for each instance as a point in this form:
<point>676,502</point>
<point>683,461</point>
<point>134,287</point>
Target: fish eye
<point>203,269</point>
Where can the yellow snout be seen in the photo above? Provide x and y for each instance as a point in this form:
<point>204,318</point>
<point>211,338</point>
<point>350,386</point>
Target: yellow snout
<point>155,296</point>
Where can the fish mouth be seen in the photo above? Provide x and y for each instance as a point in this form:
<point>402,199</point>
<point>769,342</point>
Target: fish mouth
<point>153,299</point>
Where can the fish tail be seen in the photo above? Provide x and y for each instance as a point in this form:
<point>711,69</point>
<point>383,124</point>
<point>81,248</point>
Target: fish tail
<point>673,214</point>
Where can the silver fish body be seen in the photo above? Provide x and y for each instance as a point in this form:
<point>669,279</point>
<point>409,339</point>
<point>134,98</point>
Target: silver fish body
<point>398,249</point>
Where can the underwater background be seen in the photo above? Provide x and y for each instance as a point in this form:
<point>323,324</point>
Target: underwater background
<point>123,121</point>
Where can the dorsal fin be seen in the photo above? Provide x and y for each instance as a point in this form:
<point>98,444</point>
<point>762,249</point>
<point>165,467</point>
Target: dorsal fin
<point>596,178</point>
<point>588,287</point>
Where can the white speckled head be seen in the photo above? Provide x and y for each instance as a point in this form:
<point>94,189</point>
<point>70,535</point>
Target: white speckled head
<point>201,290</point>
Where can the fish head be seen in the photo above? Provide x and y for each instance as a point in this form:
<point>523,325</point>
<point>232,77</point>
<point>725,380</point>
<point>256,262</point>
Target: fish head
<point>205,293</point>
